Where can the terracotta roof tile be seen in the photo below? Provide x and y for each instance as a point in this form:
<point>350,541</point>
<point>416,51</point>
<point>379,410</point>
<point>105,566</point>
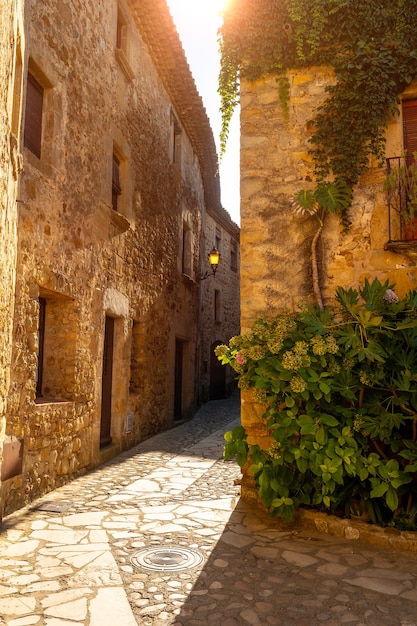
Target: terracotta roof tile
<point>159,33</point>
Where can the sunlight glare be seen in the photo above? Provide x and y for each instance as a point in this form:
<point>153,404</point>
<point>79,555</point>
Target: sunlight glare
<point>194,8</point>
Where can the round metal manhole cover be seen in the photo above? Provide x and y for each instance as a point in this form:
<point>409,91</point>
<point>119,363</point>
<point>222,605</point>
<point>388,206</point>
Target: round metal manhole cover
<point>172,559</point>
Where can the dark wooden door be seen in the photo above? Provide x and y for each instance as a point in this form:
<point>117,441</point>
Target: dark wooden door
<point>217,376</point>
<point>179,358</point>
<point>107,383</point>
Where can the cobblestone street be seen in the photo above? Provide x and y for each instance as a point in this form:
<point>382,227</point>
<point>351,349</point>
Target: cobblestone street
<point>159,536</point>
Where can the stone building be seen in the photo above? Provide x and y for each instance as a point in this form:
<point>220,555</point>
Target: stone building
<point>220,303</point>
<point>276,243</point>
<point>118,204</point>
<point>11,51</point>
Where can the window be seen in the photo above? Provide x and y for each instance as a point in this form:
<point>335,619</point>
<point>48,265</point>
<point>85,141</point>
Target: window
<point>217,306</point>
<point>409,108</point>
<point>233,255</point>
<point>136,358</point>
<point>33,116</point>
<point>186,250</point>
<point>121,32</point>
<point>122,44</point>
<point>218,239</point>
<point>175,141</point>
<point>116,188</point>
<point>119,181</point>
<point>55,376</point>
<point>41,347</point>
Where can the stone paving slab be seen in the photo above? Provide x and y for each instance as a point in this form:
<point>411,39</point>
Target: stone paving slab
<point>66,560</point>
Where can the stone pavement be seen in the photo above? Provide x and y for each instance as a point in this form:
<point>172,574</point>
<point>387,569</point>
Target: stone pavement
<point>159,537</point>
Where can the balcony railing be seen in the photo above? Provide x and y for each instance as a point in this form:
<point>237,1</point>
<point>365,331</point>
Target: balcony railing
<point>401,192</point>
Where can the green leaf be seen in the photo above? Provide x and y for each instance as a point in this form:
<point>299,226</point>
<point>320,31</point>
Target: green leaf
<point>328,420</point>
<point>327,501</point>
<point>363,474</point>
<point>392,499</point>
<point>321,436</point>
<point>304,200</point>
<point>333,196</point>
<point>379,491</point>
<point>302,465</point>
<point>324,387</point>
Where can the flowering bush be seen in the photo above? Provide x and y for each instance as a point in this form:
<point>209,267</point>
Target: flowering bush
<point>339,386</point>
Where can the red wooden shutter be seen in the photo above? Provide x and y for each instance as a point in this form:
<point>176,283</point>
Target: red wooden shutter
<point>33,116</point>
<point>410,126</point>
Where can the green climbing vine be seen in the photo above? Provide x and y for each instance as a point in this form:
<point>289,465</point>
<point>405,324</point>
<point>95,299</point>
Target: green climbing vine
<point>370,44</point>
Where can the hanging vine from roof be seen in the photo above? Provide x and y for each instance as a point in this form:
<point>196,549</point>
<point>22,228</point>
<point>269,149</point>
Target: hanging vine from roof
<point>371,45</point>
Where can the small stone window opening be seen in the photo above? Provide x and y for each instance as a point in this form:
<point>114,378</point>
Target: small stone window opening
<point>122,46</point>
<point>116,184</point>
<point>41,347</point>
<point>121,32</point>
<point>233,256</point>
<point>33,116</point>
<point>218,239</point>
<point>57,330</point>
<point>217,306</point>
<point>137,358</point>
<point>186,250</point>
<point>176,133</point>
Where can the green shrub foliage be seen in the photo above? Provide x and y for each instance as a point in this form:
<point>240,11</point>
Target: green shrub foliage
<point>339,390</point>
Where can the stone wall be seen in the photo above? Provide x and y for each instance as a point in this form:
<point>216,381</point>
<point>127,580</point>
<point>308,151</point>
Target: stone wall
<point>220,302</point>
<point>84,267</point>
<point>275,242</point>
<point>11,48</point>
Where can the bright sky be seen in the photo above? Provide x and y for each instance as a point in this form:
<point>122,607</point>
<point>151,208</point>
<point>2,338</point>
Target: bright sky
<point>197,22</point>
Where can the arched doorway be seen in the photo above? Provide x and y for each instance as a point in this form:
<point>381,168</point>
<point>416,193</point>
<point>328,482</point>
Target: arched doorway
<point>217,375</point>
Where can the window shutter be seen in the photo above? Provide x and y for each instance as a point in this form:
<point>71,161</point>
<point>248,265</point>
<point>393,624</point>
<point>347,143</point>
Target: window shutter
<point>33,116</point>
<point>410,126</point>
<point>116,187</point>
<point>119,32</point>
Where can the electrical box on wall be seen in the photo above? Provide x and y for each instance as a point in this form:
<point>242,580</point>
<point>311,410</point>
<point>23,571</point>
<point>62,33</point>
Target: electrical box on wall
<point>12,463</point>
<point>129,423</point>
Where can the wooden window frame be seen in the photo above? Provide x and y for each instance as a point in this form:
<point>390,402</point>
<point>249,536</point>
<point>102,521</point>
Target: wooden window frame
<point>116,187</point>
<point>186,252</point>
<point>233,256</point>
<point>409,110</point>
<point>41,346</point>
<point>176,147</point>
<point>35,96</point>
<point>217,306</point>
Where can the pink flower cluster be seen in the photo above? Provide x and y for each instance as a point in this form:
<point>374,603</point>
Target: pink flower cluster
<point>240,359</point>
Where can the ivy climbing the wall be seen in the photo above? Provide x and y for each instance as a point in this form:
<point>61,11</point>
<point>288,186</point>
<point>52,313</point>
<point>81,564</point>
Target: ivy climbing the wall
<point>370,44</point>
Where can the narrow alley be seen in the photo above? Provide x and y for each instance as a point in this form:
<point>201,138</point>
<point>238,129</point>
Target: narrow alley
<point>159,536</point>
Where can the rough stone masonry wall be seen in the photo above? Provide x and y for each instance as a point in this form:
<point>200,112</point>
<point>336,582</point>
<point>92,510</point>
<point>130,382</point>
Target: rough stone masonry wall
<point>226,282</point>
<point>275,243</point>
<point>10,17</point>
<point>88,262</point>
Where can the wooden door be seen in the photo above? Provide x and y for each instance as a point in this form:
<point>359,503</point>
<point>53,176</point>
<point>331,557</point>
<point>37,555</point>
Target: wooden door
<point>107,383</point>
<point>179,358</point>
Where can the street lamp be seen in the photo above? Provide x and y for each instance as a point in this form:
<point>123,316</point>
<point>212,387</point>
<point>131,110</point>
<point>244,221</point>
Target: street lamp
<point>213,259</point>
